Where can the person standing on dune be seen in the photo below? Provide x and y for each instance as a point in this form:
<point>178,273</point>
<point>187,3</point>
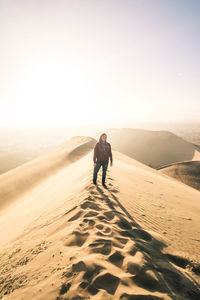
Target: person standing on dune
<point>102,153</point>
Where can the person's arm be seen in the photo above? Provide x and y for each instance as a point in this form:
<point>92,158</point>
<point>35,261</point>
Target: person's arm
<point>95,153</point>
<point>110,155</point>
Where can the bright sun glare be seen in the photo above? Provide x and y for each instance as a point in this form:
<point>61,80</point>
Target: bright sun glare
<point>60,92</point>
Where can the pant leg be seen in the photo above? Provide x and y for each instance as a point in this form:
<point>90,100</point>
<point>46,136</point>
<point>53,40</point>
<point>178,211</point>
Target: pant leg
<point>105,166</point>
<point>96,170</point>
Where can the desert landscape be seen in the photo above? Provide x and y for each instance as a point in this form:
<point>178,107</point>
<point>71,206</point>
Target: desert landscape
<point>99,150</point>
<point>62,237</point>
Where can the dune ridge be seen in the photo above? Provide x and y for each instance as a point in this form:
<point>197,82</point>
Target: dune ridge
<point>160,203</point>
<point>95,250</point>
<point>187,172</point>
<point>68,239</point>
<point>19,180</point>
<point>151,147</point>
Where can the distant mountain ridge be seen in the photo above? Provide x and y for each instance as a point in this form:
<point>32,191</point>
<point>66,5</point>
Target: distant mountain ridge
<point>153,148</point>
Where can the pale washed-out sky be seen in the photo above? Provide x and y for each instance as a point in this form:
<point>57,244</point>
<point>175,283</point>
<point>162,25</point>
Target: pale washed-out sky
<point>65,62</point>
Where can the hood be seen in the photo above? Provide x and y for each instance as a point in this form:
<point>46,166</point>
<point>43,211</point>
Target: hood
<point>100,137</point>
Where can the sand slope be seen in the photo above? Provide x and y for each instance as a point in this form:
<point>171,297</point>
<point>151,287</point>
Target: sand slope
<point>69,239</point>
<point>186,172</point>
<point>160,203</point>
<point>18,180</point>
<point>153,148</point>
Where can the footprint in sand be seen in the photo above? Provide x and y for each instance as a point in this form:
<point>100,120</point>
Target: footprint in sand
<point>123,223</point>
<point>103,230</point>
<point>76,216</point>
<point>119,242</point>
<point>91,222</point>
<point>106,281</point>
<point>109,215</point>
<point>90,205</point>
<point>91,214</point>
<point>142,234</point>
<point>77,238</point>
<point>114,191</point>
<point>110,178</point>
<point>116,258</point>
<point>100,226</point>
<point>93,193</point>
<point>102,246</point>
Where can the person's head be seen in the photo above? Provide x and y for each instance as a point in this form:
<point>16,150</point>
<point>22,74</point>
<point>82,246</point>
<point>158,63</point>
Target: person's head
<point>103,137</point>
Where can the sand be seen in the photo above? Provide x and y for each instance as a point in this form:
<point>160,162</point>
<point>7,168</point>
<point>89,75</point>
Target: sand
<point>19,180</point>
<point>65,238</point>
<point>187,172</point>
<point>152,147</point>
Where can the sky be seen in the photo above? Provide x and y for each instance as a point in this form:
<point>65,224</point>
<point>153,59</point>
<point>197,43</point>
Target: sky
<point>98,61</point>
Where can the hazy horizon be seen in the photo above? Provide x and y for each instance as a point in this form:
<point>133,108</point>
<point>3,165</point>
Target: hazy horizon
<point>19,145</point>
<point>73,63</point>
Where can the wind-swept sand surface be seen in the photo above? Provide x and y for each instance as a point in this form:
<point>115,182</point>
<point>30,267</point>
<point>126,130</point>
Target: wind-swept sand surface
<point>151,147</point>
<point>65,238</point>
<point>20,179</point>
<point>186,172</point>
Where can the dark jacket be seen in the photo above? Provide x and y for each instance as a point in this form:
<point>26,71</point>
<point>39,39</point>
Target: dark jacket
<point>102,154</point>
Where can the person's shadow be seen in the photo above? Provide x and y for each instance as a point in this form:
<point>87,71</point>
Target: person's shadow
<point>169,271</point>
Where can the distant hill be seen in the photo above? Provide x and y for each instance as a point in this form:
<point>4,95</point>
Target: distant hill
<point>153,148</point>
<point>186,172</point>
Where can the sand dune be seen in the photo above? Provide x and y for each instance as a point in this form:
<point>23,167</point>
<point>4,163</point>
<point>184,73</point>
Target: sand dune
<point>153,148</point>
<point>70,239</point>
<point>18,180</point>
<point>186,172</point>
